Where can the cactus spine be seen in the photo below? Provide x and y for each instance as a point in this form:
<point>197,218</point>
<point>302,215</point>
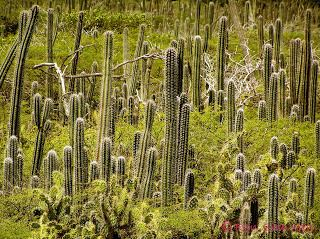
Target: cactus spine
<point>171,124</point>
<point>188,188</point>
<point>106,91</point>
<point>309,193</point>
<point>313,91</point>
<point>231,106</point>
<point>223,42</point>
<point>17,88</point>
<point>273,206</point>
<point>196,95</point>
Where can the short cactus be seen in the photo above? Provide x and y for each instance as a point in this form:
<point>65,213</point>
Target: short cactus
<point>274,147</point>
<point>273,206</point>
<point>262,110</point>
<point>94,171</point>
<point>188,188</point>
<point>7,175</point>
<point>68,176</point>
<point>50,165</point>
<point>231,106</point>
<point>310,181</point>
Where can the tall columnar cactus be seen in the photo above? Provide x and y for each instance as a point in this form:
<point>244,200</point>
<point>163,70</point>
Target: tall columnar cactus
<point>145,140</point>
<point>284,152</point>
<point>131,110</point>
<point>50,165</point>
<point>196,92</point>
<point>240,162</point>
<point>223,42</point>
<point>183,143</point>
<point>92,86</point>
<point>197,18</point>
<point>121,170</point>
<point>77,41</point>
<point>293,70</point>
<point>247,12</point>
<point>73,115</point>
<point>231,106</point>
<point>310,182</point>
<point>188,188</point>
<point>68,176</point>
<point>106,91</point>
<point>317,138</point>
<point>274,147</point>
<point>94,170</point>
<point>291,159</point>
<point>144,83</point>
<point>245,219</point>
<point>79,156</point>
<point>206,38</point>
<point>20,163</point>
<point>125,50</point>
<point>295,144</point>
<point>212,98</point>
<point>288,106</point>
<point>313,91</point>
<point>135,147</point>
<point>282,92</point>
<point>147,182</point>
<point>12,152</point>
<point>43,123</point>
<point>11,54</point>
<point>262,110</point>
<point>293,185</point>
<point>17,87</point>
<point>273,98</point>
<point>221,105</point>
<point>105,160</point>
<point>304,93</point>
<point>271,35</point>
<point>239,128</point>
<point>257,178</point>
<point>261,33</point>
<point>267,59</point>
<point>132,84</point>
<point>7,175</point>
<point>246,180</point>
<point>180,62</point>
<point>211,18</point>
<point>171,125</point>
<point>273,206</point>
<point>49,78</point>
<point>277,42</point>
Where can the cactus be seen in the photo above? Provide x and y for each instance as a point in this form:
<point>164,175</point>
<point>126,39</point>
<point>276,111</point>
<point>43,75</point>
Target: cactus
<point>180,62</point>
<point>105,160</point>
<point>188,188</point>
<point>106,90</point>
<point>8,175</point>
<point>121,169</point>
<point>288,106</point>
<point>17,87</point>
<point>11,54</point>
<point>212,98</point>
<point>245,220</point>
<point>317,134</point>
<point>293,70</point>
<point>284,152</point>
<point>196,93</point>
<point>262,110</point>
<point>81,105</point>
<point>273,99</point>
<point>239,128</point>
<point>261,33</point>
<point>73,115</point>
<point>271,35</point>
<point>12,152</point>
<point>240,162</point>
<point>171,126</point>
<point>125,50</point>
<point>50,165</point>
<point>246,180</point>
<point>176,28</point>
<point>131,109</point>
<point>206,38</point>
<point>313,91</point>
<point>94,171</point>
<point>147,182</point>
<point>144,83</point>
<point>295,144</point>
<point>257,177</point>
<point>309,193</point>
<point>211,18</point>
<point>223,42</point>
<point>197,18</point>
<point>91,90</point>
<point>145,140</point>
<point>19,173</point>
<point>34,182</point>
<point>254,210</point>
<point>231,106</point>
<point>274,147</point>
<point>133,82</point>
<point>77,41</point>
<point>267,58</point>
<point>238,175</point>
<point>68,177</point>
<point>291,159</point>
<point>220,102</point>
<point>306,67</point>
<point>273,206</point>
<point>49,78</point>
<point>282,92</point>
<point>79,156</point>
<point>293,185</point>
<point>277,43</point>
<point>183,143</point>
<point>247,14</point>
